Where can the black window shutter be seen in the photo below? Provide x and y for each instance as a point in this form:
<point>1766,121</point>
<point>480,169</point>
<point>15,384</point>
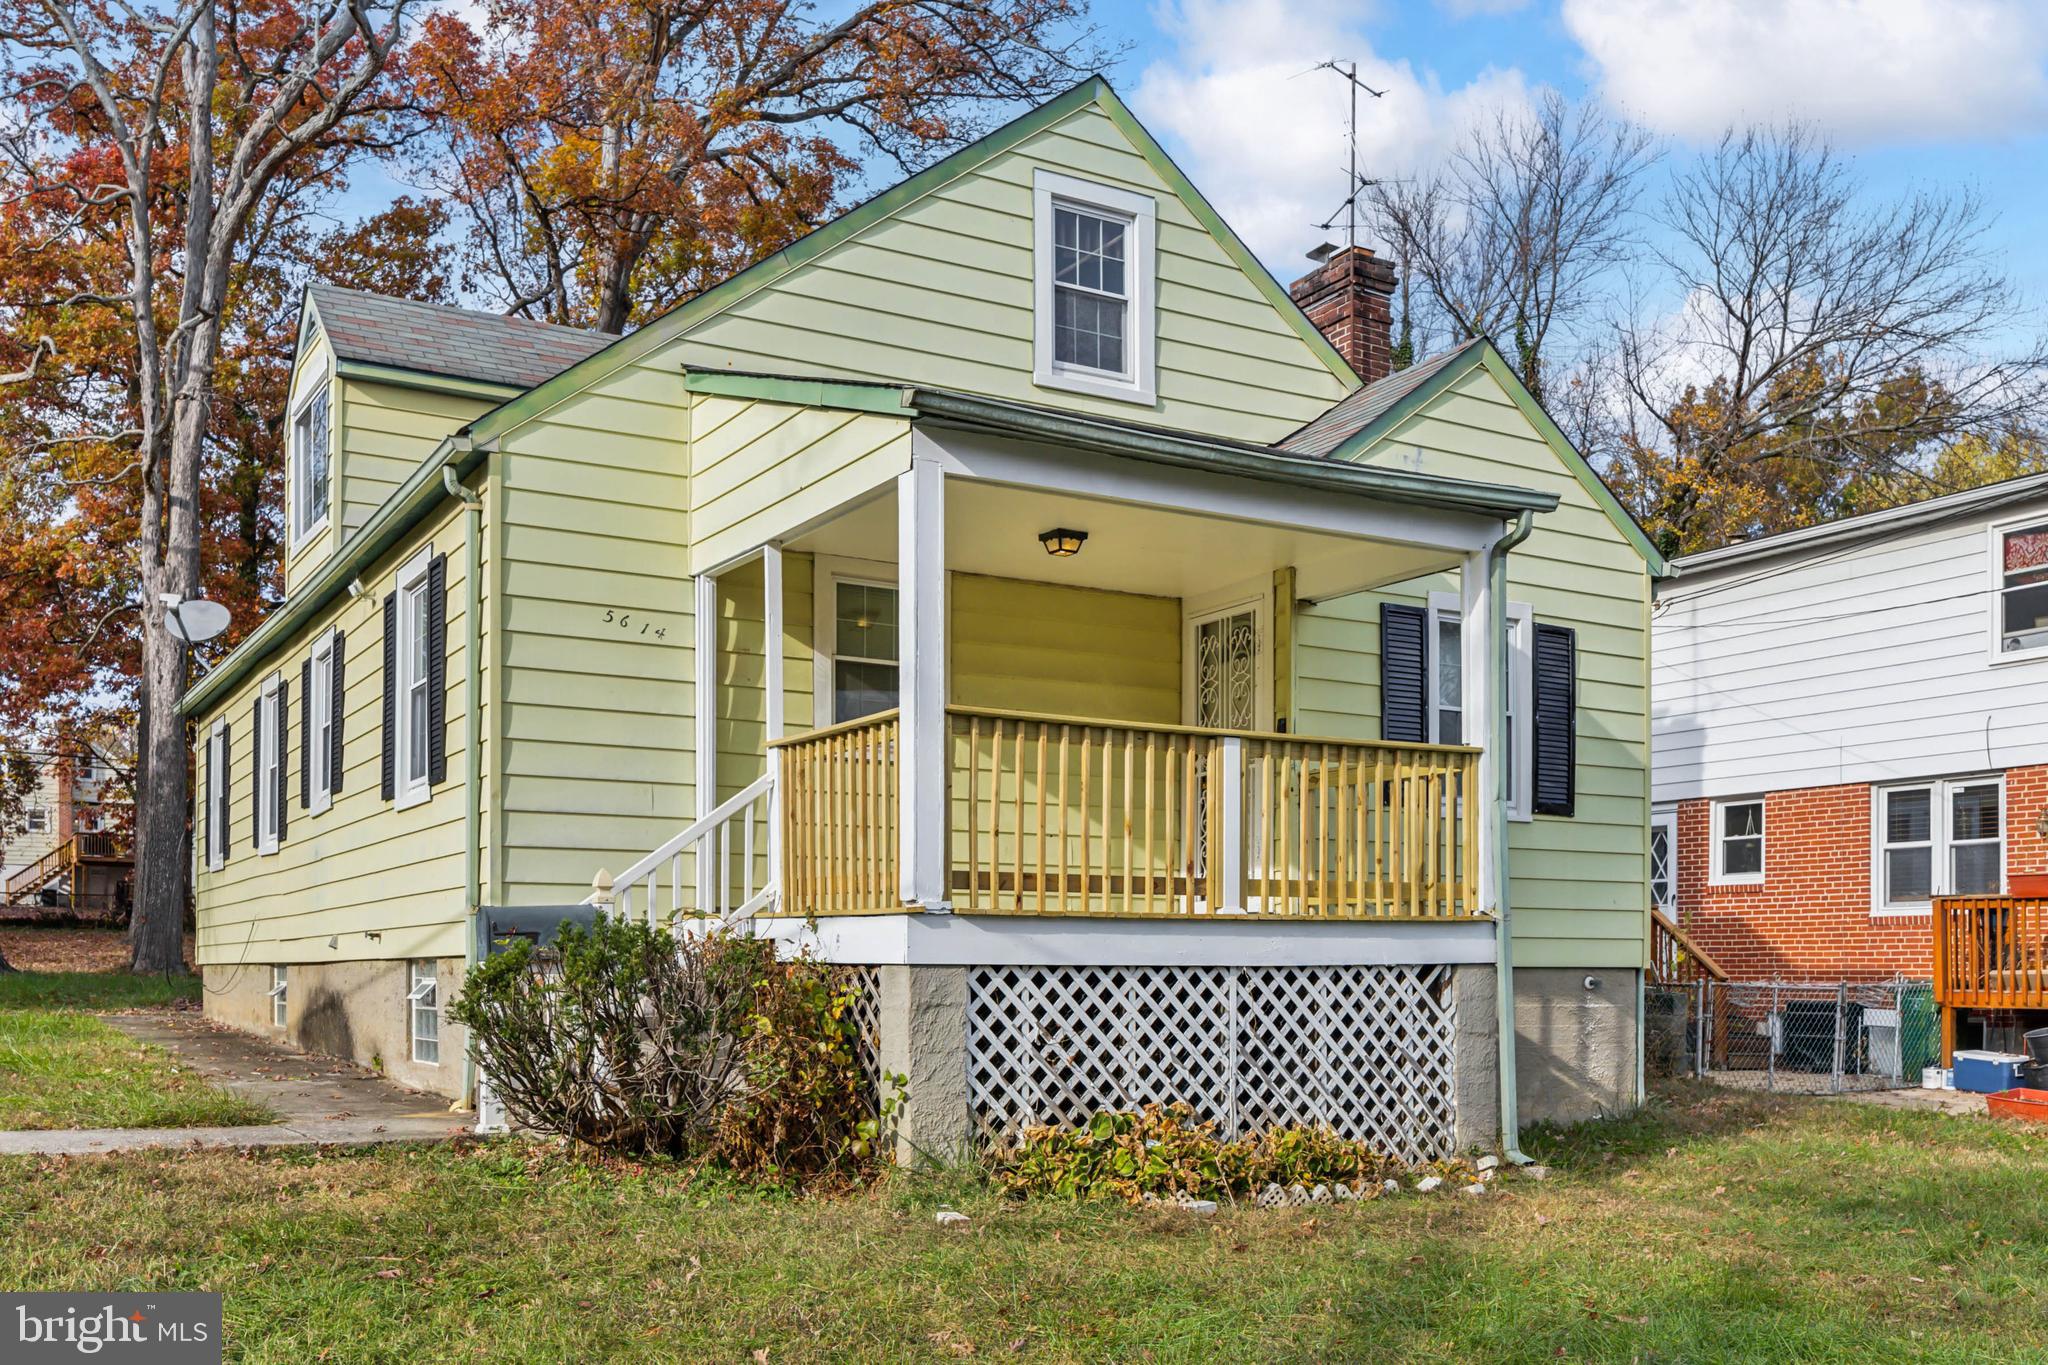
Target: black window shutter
<point>390,695</point>
<point>1404,673</point>
<point>437,670</point>
<point>227,797</point>
<point>1556,685</point>
<point>256,775</point>
<point>334,688</point>
<point>306,735</point>
<point>284,708</point>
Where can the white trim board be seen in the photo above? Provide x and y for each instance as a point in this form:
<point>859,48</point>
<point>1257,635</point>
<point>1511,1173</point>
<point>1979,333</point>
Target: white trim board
<point>1022,940</point>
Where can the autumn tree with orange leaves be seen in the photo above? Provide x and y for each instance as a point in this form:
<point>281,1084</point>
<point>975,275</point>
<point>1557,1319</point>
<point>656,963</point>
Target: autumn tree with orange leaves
<point>150,150</point>
<point>613,157</point>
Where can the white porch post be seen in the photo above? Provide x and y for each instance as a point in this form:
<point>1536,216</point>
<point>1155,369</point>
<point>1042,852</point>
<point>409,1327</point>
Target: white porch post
<point>1482,654</point>
<point>771,616</point>
<point>921,759</point>
<point>706,669</point>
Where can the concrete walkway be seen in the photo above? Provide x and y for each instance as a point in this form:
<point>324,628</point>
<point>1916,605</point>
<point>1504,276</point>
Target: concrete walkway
<point>317,1099</point>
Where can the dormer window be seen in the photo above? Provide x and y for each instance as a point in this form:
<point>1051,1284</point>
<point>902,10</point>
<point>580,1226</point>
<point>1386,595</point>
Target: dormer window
<point>310,465</point>
<point>1094,278</point>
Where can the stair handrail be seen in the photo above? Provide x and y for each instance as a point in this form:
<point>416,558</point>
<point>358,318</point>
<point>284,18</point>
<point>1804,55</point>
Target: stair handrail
<point>713,827</point>
<point>1663,926</point>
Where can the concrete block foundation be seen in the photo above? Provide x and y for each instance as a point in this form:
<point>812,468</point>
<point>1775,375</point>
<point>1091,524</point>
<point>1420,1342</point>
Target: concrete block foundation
<point>356,1011</point>
<point>1575,1043</point>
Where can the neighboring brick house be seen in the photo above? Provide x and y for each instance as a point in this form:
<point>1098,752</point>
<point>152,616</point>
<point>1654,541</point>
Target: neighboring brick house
<point>1848,721</point>
<point>46,861</point>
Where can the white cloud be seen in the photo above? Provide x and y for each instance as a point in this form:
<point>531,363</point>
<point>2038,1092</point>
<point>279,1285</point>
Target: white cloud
<point>1265,142</point>
<point>1861,69</point>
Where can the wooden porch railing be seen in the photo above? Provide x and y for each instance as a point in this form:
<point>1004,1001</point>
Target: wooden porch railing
<point>840,821</point>
<point>1675,960</point>
<point>1991,952</point>
<point>1059,816</point>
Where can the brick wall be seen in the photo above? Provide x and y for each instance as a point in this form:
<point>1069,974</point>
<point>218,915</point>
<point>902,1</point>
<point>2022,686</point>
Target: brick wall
<point>1349,299</point>
<point>1811,919</point>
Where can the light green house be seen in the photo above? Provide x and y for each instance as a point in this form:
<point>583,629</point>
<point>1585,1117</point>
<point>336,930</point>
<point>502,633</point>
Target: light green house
<point>1006,591</point>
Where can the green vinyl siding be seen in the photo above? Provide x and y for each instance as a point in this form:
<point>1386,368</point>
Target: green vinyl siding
<point>1064,651</point>
<point>595,636</point>
<point>1580,883</point>
<point>383,431</point>
<point>361,867</point>
<point>759,469</point>
<point>940,293</point>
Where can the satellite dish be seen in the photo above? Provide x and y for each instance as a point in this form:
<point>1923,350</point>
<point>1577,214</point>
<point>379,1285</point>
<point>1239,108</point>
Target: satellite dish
<point>196,621</point>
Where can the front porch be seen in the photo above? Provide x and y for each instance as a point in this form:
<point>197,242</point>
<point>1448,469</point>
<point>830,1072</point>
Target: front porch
<point>1041,787</point>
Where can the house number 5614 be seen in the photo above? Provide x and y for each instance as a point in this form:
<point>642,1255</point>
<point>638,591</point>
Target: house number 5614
<point>634,624</point>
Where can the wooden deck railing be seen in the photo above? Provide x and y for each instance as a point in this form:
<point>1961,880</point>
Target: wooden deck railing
<point>1675,960</point>
<point>840,825</point>
<point>1060,816</point>
<point>82,847</point>
<point>1991,952</point>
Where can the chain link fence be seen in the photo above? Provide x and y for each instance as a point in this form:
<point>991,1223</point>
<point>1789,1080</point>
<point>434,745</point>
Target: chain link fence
<point>1797,1037</point>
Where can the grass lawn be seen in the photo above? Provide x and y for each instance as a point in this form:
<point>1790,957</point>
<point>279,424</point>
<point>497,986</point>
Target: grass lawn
<point>62,1068</point>
<point>68,1070</point>
<point>1719,1226</point>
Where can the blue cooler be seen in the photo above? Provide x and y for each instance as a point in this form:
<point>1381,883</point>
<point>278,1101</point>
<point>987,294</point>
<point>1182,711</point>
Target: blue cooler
<point>1987,1073</point>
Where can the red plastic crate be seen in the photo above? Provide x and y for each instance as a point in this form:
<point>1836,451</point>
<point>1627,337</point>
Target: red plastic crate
<point>2019,1104</point>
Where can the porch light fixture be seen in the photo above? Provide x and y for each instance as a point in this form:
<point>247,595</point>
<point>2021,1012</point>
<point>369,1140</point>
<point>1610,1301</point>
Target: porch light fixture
<point>1062,543</point>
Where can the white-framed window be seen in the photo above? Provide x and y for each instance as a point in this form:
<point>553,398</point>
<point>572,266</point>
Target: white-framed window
<point>278,988</point>
<point>424,1002</point>
<point>859,669</point>
<point>1093,267</point>
<point>1738,840</point>
<point>1664,861</point>
<point>311,462</point>
<point>269,765</point>
<point>1446,684</point>
<point>217,797</point>
<point>319,742</point>
<point>414,674</point>
<point>1943,838</point>
<point>38,818</point>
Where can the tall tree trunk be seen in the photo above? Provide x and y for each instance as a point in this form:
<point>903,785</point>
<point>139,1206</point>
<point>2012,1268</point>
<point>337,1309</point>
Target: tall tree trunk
<point>156,930</point>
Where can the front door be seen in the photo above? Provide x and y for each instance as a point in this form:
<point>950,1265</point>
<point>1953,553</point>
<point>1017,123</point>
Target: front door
<point>1229,682</point>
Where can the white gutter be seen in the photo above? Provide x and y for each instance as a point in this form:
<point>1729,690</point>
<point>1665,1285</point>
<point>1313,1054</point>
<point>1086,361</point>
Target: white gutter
<point>1504,951</point>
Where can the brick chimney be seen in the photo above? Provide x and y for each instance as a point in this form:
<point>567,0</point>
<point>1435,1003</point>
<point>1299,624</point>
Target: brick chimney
<point>1349,297</point>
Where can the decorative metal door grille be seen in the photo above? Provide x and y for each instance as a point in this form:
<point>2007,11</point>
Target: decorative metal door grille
<point>1367,1050</point>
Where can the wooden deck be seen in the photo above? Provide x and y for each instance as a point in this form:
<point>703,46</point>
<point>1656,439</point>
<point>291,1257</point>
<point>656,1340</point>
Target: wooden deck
<point>1990,953</point>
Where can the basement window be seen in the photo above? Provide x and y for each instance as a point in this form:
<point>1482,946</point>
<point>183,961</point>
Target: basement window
<point>1093,269</point>
<point>1738,843</point>
<point>424,1000</point>
<point>278,985</point>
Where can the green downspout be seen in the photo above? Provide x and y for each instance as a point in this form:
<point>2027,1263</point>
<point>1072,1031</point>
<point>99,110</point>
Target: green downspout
<point>472,723</point>
<point>1503,924</point>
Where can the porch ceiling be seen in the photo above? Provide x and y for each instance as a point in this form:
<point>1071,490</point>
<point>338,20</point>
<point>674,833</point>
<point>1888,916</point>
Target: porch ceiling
<point>993,529</point>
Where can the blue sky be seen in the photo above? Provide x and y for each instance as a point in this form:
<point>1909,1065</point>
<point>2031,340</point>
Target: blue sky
<point>1923,93</point>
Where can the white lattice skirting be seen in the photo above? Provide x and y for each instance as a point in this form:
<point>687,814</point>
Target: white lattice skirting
<point>1367,1050</point>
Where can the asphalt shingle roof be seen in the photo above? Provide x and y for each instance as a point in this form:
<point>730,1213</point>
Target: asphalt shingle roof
<point>1361,408</point>
<point>457,342</point>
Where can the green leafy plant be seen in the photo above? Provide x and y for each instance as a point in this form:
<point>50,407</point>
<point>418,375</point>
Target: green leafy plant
<point>1163,1151</point>
<point>642,1043</point>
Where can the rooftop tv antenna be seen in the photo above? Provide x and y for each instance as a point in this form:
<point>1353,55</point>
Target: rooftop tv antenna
<point>1355,185</point>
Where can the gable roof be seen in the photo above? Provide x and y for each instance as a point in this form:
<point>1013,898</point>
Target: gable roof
<point>459,343</point>
<point>1094,90</point>
<point>1361,409</point>
<point>1361,419</point>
